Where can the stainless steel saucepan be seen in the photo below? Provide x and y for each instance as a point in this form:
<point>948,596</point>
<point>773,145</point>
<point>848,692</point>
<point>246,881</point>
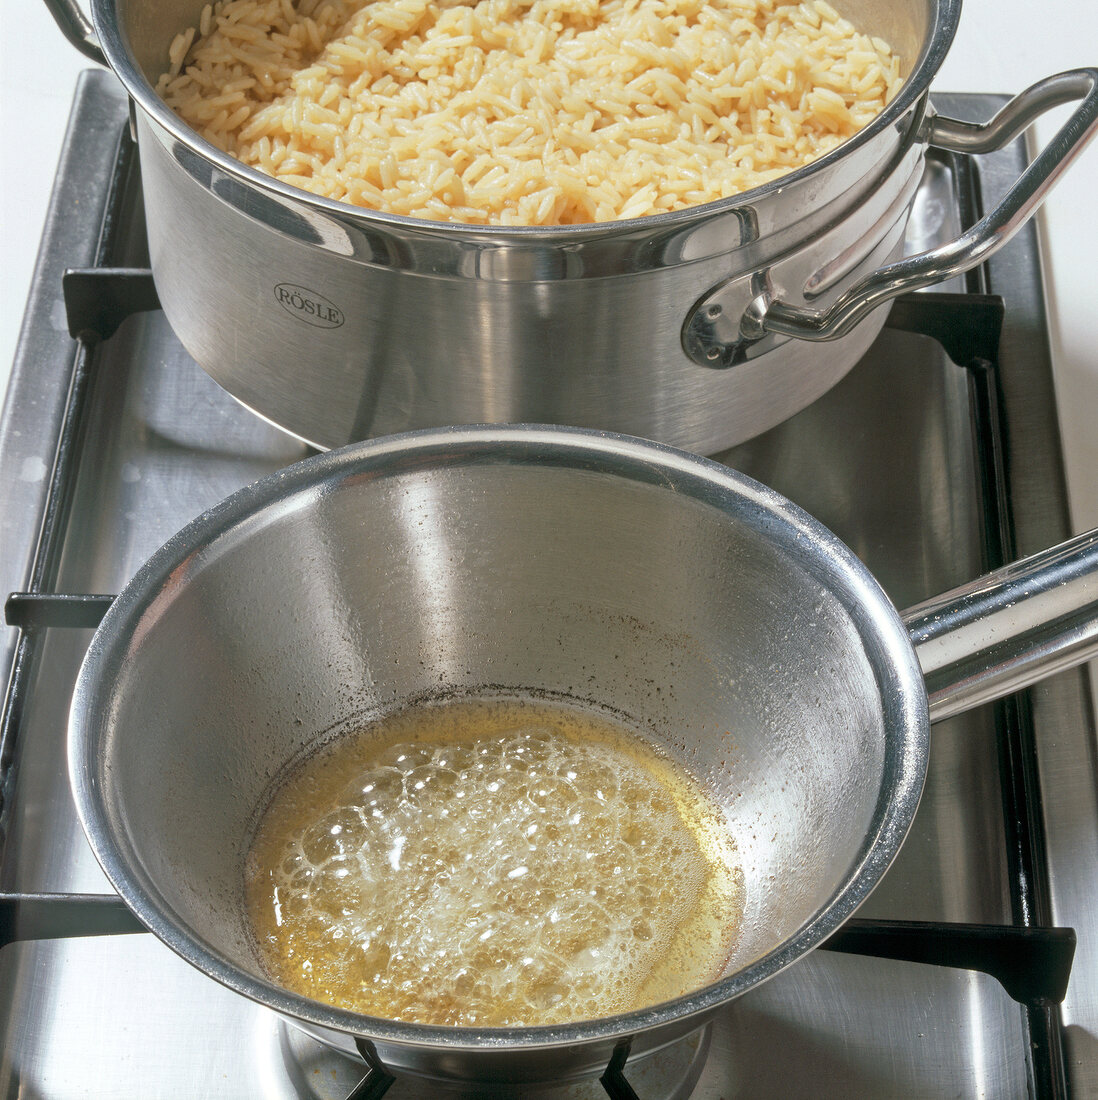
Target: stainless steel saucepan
<point>733,631</point>
<point>698,328</point>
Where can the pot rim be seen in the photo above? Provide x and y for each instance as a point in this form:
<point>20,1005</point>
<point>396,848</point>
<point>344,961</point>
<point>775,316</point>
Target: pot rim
<point>900,681</point>
<point>112,40</point>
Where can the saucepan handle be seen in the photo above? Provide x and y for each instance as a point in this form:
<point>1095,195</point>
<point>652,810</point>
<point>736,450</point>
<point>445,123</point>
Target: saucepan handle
<point>77,28</point>
<point>765,315</point>
<point>1008,629</point>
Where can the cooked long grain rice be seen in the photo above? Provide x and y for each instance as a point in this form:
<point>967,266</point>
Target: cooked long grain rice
<point>526,112</point>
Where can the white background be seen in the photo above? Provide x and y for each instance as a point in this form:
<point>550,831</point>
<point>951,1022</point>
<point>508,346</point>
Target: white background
<point>1001,46</point>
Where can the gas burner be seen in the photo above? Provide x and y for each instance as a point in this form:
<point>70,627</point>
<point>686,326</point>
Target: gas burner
<point>317,1072</point>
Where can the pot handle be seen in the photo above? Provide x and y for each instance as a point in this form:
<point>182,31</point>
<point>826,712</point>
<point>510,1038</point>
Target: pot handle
<point>1008,629</point>
<point>76,28</point>
<point>765,315</point>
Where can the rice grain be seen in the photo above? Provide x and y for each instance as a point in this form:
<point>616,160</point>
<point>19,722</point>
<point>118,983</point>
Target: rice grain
<point>526,112</point>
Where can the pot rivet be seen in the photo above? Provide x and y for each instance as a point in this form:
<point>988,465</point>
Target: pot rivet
<point>713,311</point>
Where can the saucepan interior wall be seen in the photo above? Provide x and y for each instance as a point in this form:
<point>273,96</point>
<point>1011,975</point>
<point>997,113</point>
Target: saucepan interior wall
<point>338,605</point>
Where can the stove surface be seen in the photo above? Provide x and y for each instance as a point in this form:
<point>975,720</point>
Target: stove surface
<point>931,471</point>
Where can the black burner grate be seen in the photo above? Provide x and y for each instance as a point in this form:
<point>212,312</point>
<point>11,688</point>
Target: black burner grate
<point>1029,958</point>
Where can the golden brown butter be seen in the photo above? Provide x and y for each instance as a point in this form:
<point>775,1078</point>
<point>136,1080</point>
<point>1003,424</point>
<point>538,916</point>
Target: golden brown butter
<point>492,863</point>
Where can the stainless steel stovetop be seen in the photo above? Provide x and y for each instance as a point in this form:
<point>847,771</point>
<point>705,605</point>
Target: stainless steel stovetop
<point>932,470</point>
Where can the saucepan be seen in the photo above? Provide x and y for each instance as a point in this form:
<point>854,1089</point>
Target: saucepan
<point>699,327</point>
<point>730,630</point>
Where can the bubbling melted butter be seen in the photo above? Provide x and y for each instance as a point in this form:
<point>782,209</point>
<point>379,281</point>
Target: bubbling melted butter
<point>492,863</point>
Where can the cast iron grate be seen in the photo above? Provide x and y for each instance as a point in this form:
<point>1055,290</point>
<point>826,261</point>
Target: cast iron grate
<point>1030,959</point>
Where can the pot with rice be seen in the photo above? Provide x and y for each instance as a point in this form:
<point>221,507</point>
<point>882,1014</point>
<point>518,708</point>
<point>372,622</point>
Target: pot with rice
<point>639,215</point>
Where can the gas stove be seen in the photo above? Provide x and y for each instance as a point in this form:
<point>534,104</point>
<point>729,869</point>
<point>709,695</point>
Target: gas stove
<point>936,459</point>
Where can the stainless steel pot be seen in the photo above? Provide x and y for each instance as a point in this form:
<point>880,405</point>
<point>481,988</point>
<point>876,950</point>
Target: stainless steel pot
<point>696,328</point>
<point>661,585</point>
